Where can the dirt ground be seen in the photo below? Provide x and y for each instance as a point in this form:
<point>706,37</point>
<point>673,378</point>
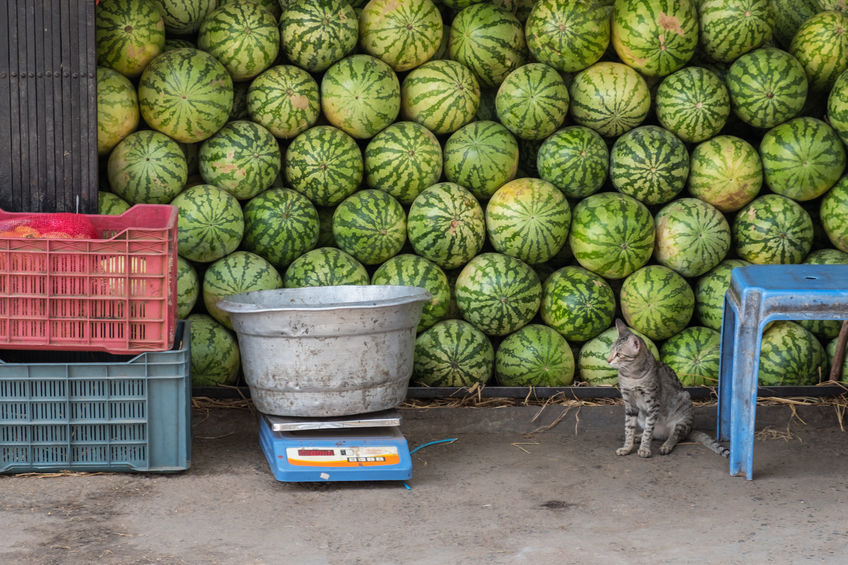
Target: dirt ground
<point>522,484</point>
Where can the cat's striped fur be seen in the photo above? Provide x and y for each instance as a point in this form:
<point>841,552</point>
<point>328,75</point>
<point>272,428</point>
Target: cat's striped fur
<point>653,398</point>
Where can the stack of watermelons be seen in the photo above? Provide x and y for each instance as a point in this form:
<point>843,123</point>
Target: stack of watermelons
<point>540,167</point>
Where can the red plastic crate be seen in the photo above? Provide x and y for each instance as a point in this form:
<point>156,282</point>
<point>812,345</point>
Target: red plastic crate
<point>116,294</point>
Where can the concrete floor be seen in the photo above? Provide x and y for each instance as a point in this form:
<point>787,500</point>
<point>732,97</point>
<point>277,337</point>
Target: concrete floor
<point>502,494</point>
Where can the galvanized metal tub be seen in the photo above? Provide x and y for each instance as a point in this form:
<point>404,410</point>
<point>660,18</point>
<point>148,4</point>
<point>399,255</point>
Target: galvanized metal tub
<point>327,351</point>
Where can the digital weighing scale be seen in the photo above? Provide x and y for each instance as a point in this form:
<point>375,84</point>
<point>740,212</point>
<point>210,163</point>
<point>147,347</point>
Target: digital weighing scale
<point>363,447</point>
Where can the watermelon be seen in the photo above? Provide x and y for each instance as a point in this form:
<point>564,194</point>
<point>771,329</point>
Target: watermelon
<point>575,159</point>
<point>725,171</point>
<point>532,101</point>
<point>274,7</point>
<point>488,40</point>
<point>236,273</point>
<point>117,109</point>
<point>280,226</point>
<point>655,37</point>
<point>325,164</point>
<point>790,355</point>
<point>497,293</point>
<point>241,35</point>
<point>370,225</point>
<point>446,225</point>
<point>441,95</point>
<point>821,46</point>
<point>611,234</point>
<point>577,303</point>
<point>188,288</point>
<point>710,290</point>
<point>521,8</point>
<point>773,229</point>
<point>402,34</point>
<point>569,36</point>
<point>657,301</point>
<point>317,33</point>
<point>211,223</point>
<point>183,17</point>
<point>693,354</point>
<point>692,236</point>
<point>481,156</point>
<point>111,204</point>
<point>186,94</point>
<point>147,167</point>
<point>802,158</point>
<point>215,358</point>
<point>824,329</point>
<point>592,365</point>
<point>830,350</point>
<point>788,17</point>
<point>528,218</point>
<point>285,100</point>
<point>411,270</point>
<point>360,95</point>
<point>837,107</point>
<point>835,5</point>
<point>403,159</point>
<point>243,158</point>
<point>693,103</point>
<point>128,35</point>
<point>730,28</point>
<point>650,164</point>
<point>834,214</point>
<point>452,353</point>
<point>767,86</point>
<point>535,355</point>
<point>325,266</point>
<point>610,98</point>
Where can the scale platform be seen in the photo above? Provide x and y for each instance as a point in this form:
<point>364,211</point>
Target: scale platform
<point>363,447</point>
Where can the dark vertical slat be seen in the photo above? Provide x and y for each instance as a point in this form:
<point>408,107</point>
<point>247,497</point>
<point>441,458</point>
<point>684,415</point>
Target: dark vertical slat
<point>6,194</point>
<point>76,103</point>
<point>36,189</point>
<point>41,111</point>
<point>15,153</point>
<point>89,188</point>
<point>57,160</point>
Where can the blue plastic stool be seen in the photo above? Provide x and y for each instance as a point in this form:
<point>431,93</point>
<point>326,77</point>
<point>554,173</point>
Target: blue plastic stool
<point>760,294</point>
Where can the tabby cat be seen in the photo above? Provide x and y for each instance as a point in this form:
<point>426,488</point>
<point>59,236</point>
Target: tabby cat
<point>653,398</point>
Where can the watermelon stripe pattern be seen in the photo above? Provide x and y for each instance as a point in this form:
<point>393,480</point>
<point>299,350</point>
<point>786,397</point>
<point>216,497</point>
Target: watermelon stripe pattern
<point>117,109</point>
<point>694,355</point>
<point>650,164</point>
<point>610,98</point>
<point>837,107</point>
<point>128,34</point>
<point>657,301</point>
<point>183,17</point>
<point>834,214</point>
<point>281,225</point>
<point>692,237</point>
<point>481,156</point>
<point>215,356</point>
<point>325,266</point>
<point>592,366</point>
<point>693,103</point>
<point>577,303</point>
<point>532,101</point>
<point>773,229</point>
<point>188,288</point>
<point>730,29</point>
<point>790,355</point>
<point>441,95</point>
<point>568,36</point>
<point>452,353</point>
<point>725,171</point>
<point>710,290</point>
<point>411,270</point>
<point>821,45</point>
<point>370,225</point>
<point>243,36</point>
<point>575,159</point>
<point>403,34</point>
<point>535,355</point>
<point>325,164</point>
<point>147,167</point>
<point>211,223</point>
<point>285,100</point>
<point>307,24</point>
<point>236,273</point>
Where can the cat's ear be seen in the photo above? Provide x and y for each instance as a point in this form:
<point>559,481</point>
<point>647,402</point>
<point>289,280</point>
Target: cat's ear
<point>621,327</point>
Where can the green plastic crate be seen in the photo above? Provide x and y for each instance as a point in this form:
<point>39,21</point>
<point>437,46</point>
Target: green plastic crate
<point>102,413</point>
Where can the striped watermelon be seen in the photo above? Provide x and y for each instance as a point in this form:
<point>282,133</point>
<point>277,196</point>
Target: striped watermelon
<point>830,350</point>
<point>802,158</point>
<point>498,293</point>
<point>655,37</point>
<point>773,229</point>
<point>236,273</point>
<point>188,288</point>
<point>824,329</point>
<point>317,33</point>
<point>611,234</point>
<point>693,354</point>
<point>575,159</point>
<point>481,156</point>
<point>325,266</point>
<point>128,34</point>
<point>535,355</point>
<point>186,94</point>
<point>726,172</point>
<point>692,236</point>
<point>452,353</point>
<point>280,226</point>
<point>528,218</point>
<point>403,159</point>
<point>411,270</point>
<point>821,46</point>
<point>274,7</point>
<point>610,98</point>
<point>243,158</point>
<point>577,303</point>
<point>285,100</point>
<point>117,109</point>
<point>147,167</point>
<point>710,290</point>
<point>211,223</point>
<point>767,86</point>
<point>241,35</point>
<point>730,28</point>
<point>835,5</point>
<point>110,204</point>
<point>215,357</point>
<point>521,8</point>
<point>650,164</point>
<point>788,17</point>
<point>370,225</point>
<point>446,225</point>
<point>834,214</point>
<point>568,36</point>
<point>657,301</point>
<point>183,17</point>
<point>403,34</point>
<point>360,95</point>
<point>790,355</point>
<point>458,4</point>
<point>441,95</point>
<point>837,107</point>
<point>693,103</point>
<point>325,164</point>
<point>488,40</point>
<point>592,366</point>
<point>532,101</point>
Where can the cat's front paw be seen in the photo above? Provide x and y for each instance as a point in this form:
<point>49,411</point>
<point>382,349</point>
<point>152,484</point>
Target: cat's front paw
<point>666,449</point>
<point>624,450</point>
<point>644,452</point>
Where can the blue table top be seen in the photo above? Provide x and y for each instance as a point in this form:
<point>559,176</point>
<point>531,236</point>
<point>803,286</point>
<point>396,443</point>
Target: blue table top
<point>816,278</point>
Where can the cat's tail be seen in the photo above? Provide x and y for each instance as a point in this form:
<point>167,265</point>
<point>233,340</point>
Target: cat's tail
<point>707,441</point>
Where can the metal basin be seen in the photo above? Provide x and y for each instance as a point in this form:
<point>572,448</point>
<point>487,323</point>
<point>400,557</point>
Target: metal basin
<point>327,351</point>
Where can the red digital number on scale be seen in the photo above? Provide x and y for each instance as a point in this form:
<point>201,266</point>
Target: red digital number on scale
<point>315,452</point>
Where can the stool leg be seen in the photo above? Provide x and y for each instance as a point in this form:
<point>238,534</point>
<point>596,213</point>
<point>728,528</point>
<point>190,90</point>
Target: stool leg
<point>725,370</point>
<point>743,401</point>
